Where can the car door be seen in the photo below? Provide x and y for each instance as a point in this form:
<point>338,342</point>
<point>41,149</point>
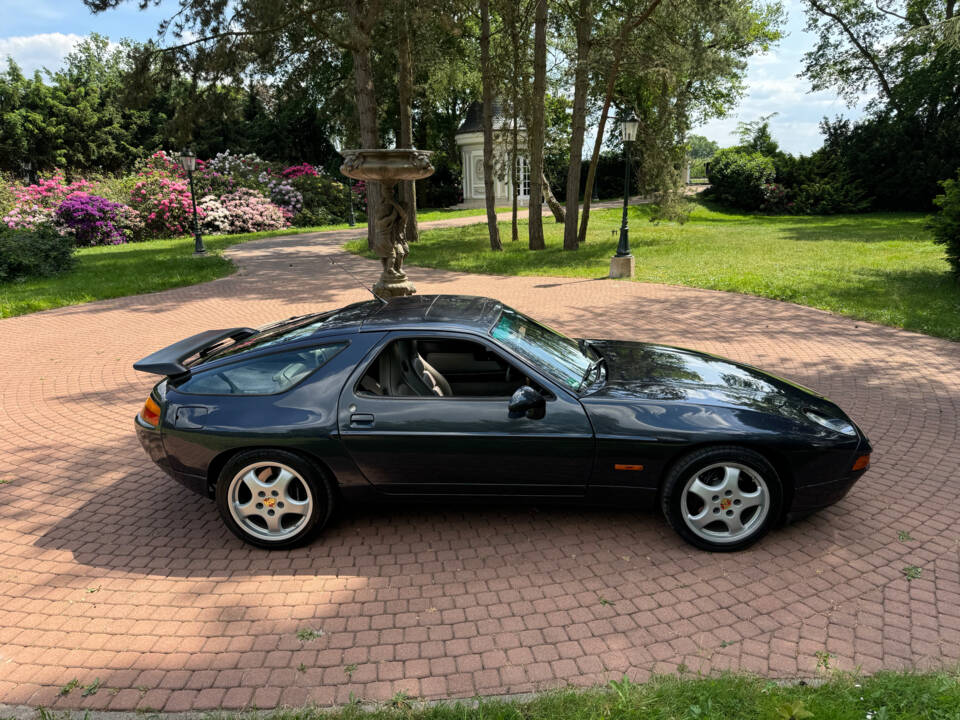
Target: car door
<point>466,445</point>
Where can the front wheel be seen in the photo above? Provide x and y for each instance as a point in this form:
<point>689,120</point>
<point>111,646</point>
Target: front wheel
<point>722,499</point>
<point>273,499</point>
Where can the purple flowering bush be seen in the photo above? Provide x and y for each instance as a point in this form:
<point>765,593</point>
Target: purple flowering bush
<point>94,220</point>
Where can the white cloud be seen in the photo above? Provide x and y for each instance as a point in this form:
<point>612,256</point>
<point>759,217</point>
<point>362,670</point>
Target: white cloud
<point>35,52</point>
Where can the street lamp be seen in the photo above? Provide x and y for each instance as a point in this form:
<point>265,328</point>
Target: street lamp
<point>188,161</point>
<point>622,264</point>
<point>335,142</point>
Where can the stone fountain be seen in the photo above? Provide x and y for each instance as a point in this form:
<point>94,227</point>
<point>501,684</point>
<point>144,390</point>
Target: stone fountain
<point>388,167</point>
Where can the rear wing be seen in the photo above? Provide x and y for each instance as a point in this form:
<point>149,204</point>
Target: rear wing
<point>169,361</point>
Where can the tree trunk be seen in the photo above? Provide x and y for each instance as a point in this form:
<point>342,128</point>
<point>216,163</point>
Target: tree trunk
<point>486,73</point>
<point>408,189</point>
<point>625,29</point>
<point>580,87</point>
<point>613,73</point>
<point>555,207</point>
<point>535,224</point>
<point>514,180</point>
<point>515,109</point>
<point>366,102</point>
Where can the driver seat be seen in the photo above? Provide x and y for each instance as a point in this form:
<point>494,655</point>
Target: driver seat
<point>404,372</point>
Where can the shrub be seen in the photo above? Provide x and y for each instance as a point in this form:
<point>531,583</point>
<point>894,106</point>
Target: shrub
<point>324,199</point>
<point>34,205</point>
<point>164,205</point>
<point>283,195</point>
<point>39,252</point>
<point>94,220</point>
<point>242,211</point>
<point>830,196</point>
<point>295,171</point>
<point>7,200</point>
<point>945,224</point>
<point>738,178</point>
<point>775,199</point>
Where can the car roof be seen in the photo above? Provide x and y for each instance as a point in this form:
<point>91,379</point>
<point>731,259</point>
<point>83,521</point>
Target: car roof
<point>460,311</point>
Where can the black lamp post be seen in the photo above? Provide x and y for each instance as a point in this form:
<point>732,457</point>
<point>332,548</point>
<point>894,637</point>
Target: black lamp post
<point>353,217</point>
<point>188,161</point>
<point>628,126</point>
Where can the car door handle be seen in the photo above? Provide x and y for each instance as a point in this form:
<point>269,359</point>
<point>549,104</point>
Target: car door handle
<point>363,419</point>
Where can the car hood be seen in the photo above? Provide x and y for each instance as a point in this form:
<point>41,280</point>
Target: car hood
<point>645,371</point>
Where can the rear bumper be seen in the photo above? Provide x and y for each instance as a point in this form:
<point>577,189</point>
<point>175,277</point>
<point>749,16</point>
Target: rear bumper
<point>150,439</point>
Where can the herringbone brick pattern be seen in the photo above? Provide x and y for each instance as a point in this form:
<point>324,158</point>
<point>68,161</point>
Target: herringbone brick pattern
<point>111,571</point>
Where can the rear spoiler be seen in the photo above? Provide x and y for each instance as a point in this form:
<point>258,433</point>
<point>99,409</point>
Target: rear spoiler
<point>169,361</point>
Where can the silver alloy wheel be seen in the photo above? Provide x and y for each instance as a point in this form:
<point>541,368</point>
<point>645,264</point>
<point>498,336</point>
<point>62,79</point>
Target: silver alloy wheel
<point>270,501</point>
<point>725,502</point>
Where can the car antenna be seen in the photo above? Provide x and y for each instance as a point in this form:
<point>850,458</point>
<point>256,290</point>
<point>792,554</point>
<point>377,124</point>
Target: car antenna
<point>359,281</point>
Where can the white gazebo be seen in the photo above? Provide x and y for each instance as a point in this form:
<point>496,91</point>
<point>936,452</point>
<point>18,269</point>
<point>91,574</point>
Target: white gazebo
<point>469,139</point>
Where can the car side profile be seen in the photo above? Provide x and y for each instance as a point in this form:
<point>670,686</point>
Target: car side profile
<point>442,397</point>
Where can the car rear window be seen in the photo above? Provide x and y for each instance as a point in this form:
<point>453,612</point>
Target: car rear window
<point>296,328</point>
<point>264,375</point>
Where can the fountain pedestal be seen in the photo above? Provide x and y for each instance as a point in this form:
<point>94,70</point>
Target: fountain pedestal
<point>388,167</point>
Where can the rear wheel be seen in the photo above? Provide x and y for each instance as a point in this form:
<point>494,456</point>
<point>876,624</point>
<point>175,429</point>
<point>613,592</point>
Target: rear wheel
<point>723,498</point>
<point>273,498</point>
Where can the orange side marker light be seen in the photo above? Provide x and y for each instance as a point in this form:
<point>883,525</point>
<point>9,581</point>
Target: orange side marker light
<point>861,462</point>
<point>636,468</point>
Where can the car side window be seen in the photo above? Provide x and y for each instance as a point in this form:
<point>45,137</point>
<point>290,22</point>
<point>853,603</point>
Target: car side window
<point>440,367</point>
<point>265,375</point>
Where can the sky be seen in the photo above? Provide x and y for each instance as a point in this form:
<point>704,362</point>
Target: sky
<point>39,33</point>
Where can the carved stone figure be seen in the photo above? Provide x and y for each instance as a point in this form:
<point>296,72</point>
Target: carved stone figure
<point>389,167</point>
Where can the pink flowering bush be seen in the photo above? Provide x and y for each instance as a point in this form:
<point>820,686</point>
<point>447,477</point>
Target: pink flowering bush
<point>244,210</point>
<point>295,171</point>
<point>164,206</point>
<point>34,205</point>
<point>94,220</point>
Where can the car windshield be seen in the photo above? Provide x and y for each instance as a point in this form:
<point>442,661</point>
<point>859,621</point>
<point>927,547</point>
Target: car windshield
<point>557,355</point>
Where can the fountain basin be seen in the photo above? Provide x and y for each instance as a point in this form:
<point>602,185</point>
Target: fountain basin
<point>387,165</point>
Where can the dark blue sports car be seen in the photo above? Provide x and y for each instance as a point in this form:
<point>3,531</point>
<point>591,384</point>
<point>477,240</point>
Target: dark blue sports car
<point>446,396</point>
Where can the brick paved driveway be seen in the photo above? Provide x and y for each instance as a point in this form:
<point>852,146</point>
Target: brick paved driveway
<point>111,571</point>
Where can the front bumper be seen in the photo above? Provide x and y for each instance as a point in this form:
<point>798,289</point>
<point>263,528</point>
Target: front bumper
<point>152,442</point>
<point>810,497</point>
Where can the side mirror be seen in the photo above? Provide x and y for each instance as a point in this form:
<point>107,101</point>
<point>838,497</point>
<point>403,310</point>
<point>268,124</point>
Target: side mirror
<point>527,401</point>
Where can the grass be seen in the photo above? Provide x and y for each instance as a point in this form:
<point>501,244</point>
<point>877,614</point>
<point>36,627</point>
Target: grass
<point>885,696</point>
<point>151,266</point>
<point>450,213</point>
<point>120,270</point>
<point>881,267</point>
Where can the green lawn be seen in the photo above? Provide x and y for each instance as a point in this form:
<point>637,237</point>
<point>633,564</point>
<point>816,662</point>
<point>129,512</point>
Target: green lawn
<point>886,696</point>
<point>117,271</point>
<point>881,267</point>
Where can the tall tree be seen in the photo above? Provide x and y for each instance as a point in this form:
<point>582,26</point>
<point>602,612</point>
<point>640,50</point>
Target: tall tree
<point>536,130</point>
<point>583,23</point>
<point>408,189</point>
<point>487,74</point>
<point>626,28</point>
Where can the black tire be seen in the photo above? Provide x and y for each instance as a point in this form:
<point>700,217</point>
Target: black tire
<point>287,482</point>
<point>698,509</point>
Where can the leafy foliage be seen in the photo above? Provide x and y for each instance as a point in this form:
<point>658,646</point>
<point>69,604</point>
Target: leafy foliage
<point>898,54</point>
<point>739,178</point>
<point>946,226</point>
<point>38,252</point>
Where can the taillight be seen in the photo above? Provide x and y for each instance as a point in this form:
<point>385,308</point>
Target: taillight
<point>150,413</point>
<point>861,462</point>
